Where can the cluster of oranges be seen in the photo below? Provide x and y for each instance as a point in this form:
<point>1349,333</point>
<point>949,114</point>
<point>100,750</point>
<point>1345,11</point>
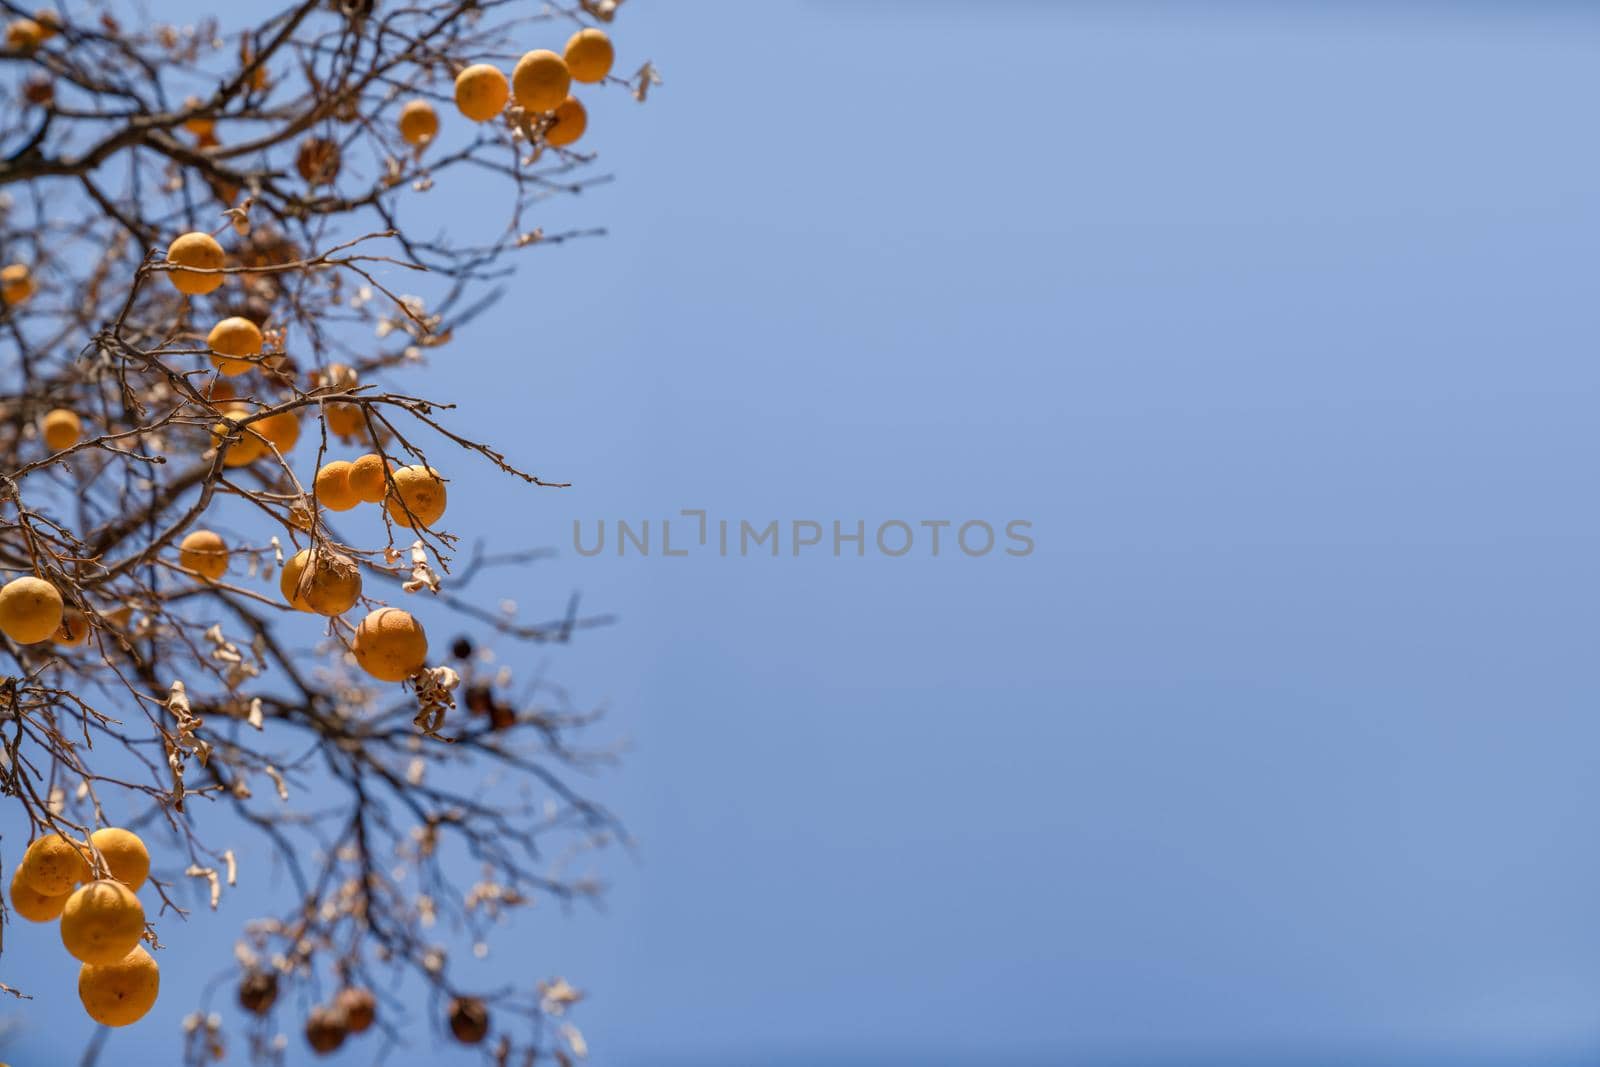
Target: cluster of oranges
<point>90,888</point>
<point>541,82</point>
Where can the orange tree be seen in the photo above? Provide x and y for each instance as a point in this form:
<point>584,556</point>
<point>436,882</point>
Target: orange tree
<point>225,543</point>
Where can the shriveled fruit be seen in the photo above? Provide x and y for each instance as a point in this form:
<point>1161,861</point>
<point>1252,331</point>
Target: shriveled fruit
<point>54,864</point>
<point>360,1007</point>
<point>258,992</point>
<point>418,497</point>
<point>33,905</point>
<point>318,161</point>
<point>30,610</point>
<point>325,1029</point>
<point>481,92</point>
<point>198,251</point>
<point>541,80</point>
<point>74,628</point>
<point>205,553</point>
<point>16,283</point>
<point>102,922</point>
<point>234,337</point>
<point>469,1020</point>
<point>124,853</point>
<point>250,445</point>
<point>569,123</point>
<point>343,419</point>
<point>321,580</point>
<point>419,122</point>
<point>390,645</point>
<point>367,478</point>
<point>120,993</point>
<point>589,55</point>
<point>61,428</point>
<point>333,486</point>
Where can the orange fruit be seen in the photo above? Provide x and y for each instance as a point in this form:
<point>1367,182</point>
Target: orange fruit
<point>321,581</point>
<point>333,486</point>
<point>201,252</point>
<point>124,853</point>
<point>102,922</point>
<point>16,283</point>
<point>390,645</point>
<point>204,553</point>
<point>481,92</point>
<point>419,123</point>
<point>541,80</point>
<point>30,610</point>
<point>589,55</point>
<point>571,121</point>
<point>120,993</point>
<point>61,429</point>
<point>33,905</point>
<point>234,336</point>
<point>418,497</point>
<point>53,865</point>
<point>367,478</point>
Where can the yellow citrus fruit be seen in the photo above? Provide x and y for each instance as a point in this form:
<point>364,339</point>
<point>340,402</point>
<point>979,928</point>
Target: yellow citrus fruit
<point>116,994</point>
<point>390,645</point>
<point>419,123</point>
<point>30,610</point>
<point>321,581</point>
<point>421,497</point>
<point>589,55</point>
<point>16,283</point>
<point>102,922</point>
<point>205,553</point>
<point>125,855</point>
<point>541,80</point>
<point>481,92</point>
<point>54,864</point>
<point>200,127</point>
<point>367,478</point>
<point>250,446</point>
<point>200,251</point>
<point>571,121</point>
<point>74,628</point>
<point>333,486</point>
<point>33,905</point>
<point>282,429</point>
<point>346,420</point>
<point>61,429</point>
<point>234,336</point>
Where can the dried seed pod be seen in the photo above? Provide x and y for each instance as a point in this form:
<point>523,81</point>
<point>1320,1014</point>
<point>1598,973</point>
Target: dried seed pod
<point>359,1007</point>
<point>326,1029</point>
<point>469,1020</point>
<point>258,992</point>
<point>318,161</point>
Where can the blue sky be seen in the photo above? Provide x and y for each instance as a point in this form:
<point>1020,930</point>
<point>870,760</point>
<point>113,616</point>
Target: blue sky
<point>1277,323</point>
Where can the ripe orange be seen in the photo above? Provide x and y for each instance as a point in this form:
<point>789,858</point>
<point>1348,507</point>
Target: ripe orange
<point>16,283</point>
<point>61,429</point>
<point>74,628</point>
<point>200,251</point>
<point>282,429</point>
<point>30,610</point>
<point>346,420</point>
<point>102,922</point>
<point>32,904</point>
<point>367,478</point>
<point>250,446</point>
<point>481,92</point>
<point>390,645</point>
<point>205,553</point>
<point>54,864</point>
<point>541,80</point>
<point>571,121</point>
<point>320,581</point>
<point>120,993</point>
<point>234,336</point>
<point>333,486</point>
<point>421,497</point>
<point>124,853</point>
<point>589,55</point>
<point>419,122</point>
